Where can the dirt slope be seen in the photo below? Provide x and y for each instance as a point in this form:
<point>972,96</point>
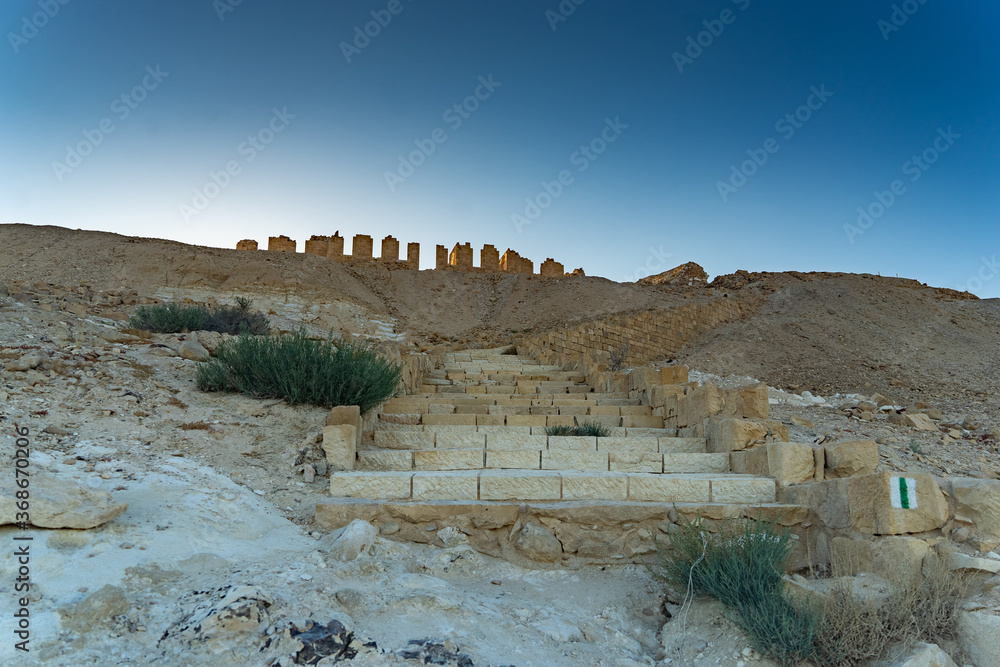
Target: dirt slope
<point>823,332</point>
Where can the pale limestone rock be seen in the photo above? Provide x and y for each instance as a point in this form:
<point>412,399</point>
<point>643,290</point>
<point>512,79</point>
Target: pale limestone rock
<point>959,561</point>
<point>559,630</point>
<point>459,440</point>
<point>925,655</point>
<point>537,543</point>
<point>728,434</point>
<point>695,463</point>
<point>978,501</point>
<point>979,636</point>
<point>613,444</point>
<point>448,459</point>
<point>744,491</point>
<point>30,360</point>
<point>59,503</point>
<point>193,350</point>
<point>354,539</point>
<point>96,609</point>
<point>340,445</point>
<point>404,439</point>
<point>847,459</point>
<point>385,460</point>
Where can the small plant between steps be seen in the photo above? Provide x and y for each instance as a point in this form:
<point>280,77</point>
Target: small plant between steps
<point>178,318</point>
<point>588,429</point>
<point>742,566</point>
<point>302,370</point>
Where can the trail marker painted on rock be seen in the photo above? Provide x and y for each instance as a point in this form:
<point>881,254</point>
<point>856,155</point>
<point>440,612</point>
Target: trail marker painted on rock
<point>903,491</point>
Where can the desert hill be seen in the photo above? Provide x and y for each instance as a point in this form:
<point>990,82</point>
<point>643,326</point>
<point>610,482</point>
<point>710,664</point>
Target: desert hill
<point>825,332</point>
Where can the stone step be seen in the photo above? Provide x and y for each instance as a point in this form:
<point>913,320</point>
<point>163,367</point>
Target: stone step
<point>515,407</point>
<point>419,402</point>
<point>509,438</point>
<point>545,485</point>
<point>619,432</point>
<point>540,459</point>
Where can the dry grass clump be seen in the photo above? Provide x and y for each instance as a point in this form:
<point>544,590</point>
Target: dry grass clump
<point>855,631</point>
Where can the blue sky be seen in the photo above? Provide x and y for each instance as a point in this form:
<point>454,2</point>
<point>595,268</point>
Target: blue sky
<point>621,137</point>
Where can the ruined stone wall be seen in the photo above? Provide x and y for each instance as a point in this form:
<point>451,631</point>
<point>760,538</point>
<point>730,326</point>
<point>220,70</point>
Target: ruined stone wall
<point>650,335</point>
<point>460,258</point>
<point>281,243</point>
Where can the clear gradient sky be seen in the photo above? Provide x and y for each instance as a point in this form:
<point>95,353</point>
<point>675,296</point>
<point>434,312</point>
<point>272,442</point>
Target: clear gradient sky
<point>622,137</point>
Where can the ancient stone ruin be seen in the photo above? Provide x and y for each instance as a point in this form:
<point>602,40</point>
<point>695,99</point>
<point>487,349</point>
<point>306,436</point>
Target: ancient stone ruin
<point>460,258</point>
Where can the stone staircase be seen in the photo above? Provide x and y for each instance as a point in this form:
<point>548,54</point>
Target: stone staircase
<point>473,442</point>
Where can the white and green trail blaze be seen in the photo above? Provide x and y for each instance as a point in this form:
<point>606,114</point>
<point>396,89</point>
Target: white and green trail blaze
<point>904,492</point>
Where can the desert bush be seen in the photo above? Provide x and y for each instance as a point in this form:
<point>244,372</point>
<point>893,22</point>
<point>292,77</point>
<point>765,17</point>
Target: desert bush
<point>176,318</point>
<point>857,630</point>
<point>301,370</point>
<point>742,566</point>
<point>590,429</point>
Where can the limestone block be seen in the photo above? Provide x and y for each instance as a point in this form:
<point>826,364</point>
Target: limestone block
<point>567,420</point>
<point>574,460</point>
<point>749,402</point>
<point>978,501</point>
<point>573,442</point>
<point>729,434</point>
<point>519,459</point>
<point>640,421</point>
<point>681,445</point>
<point>743,490</point>
<point>57,502</point>
<point>526,420</point>
<point>491,420</point>
<point>377,459</point>
<point>448,409</point>
<point>847,459</point>
<point>635,461</point>
<point>899,559</point>
<point>606,486</point>
<point>340,442</point>
<point>617,444</point>
<point>665,395</point>
<point>607,421</point>
<point>673,375</point>
<point>605,410</point>
<point>459,440</point>
<point>916,420</point>
<point>345,414</point>
<point>875,504</point>
<point>790,462</point>
<point>371,485</point>
<point>449,420</point>
<point>394,439</point>
<point>695,463</point>
<point>635,411</point>
<point>448,459</point>
<point>508,441</point>
<point>445,486</point>
<point>399,418</point>
<point>519,485</point>
<point>668,488</point>
<point>509,430</point>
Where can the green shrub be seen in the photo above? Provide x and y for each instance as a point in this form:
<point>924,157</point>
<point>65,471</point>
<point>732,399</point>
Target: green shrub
<point>176,318</point>
<point>589,429</point>
<point>742,566</point>
<point>170,318</point>
<point>301,370</point>
<point>592,429</point>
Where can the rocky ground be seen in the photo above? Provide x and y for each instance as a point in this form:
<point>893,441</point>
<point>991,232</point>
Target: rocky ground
<point>217,535</point>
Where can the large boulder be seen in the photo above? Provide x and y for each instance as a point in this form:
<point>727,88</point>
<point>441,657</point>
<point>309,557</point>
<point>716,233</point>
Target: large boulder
<point>979,636</point>
<point>879,504</point>
<point>925,655</point>
<point>977,501</point>
<point>58,503</point>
